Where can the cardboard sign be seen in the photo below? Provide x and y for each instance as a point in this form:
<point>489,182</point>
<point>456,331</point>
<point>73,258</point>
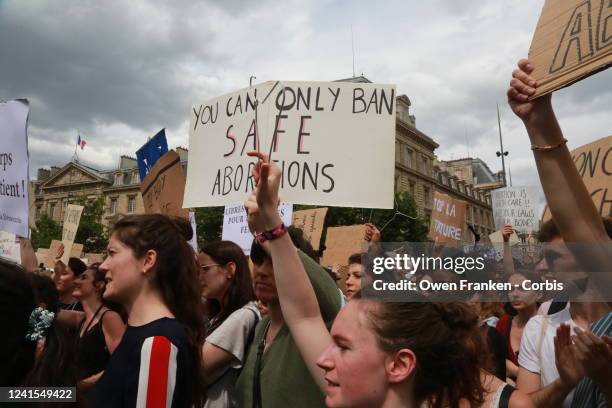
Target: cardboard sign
<point>515,206</point>
<point>9,247</point>
<point>314,131</point>
<point>447,218</point>
<point>151,152</point>
<point>163,188</point>
<point>236,227</point>
<point>342,242</point>
<point>94,258</point>
<point>41,255</point>
<point>55,252</point>
<point>14,178</point>
<point>573,39</point>
<point>71,225</point>
<point>311,222</point>
<point>594,163</point>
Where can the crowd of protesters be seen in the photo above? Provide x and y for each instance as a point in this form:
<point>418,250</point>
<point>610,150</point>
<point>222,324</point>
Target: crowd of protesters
<point>157,325</point>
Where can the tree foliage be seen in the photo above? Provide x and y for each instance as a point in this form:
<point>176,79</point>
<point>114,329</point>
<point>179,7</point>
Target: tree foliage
<point>46,230</point>
<point>91,232</point>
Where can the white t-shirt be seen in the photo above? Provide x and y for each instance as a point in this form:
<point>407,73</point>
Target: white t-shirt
<point>232,336</point>
<point>544,364</point>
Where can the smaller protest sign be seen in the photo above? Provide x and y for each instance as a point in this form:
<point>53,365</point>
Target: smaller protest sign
<point>162,190</point>
<point>572,41</point>
<point>194,239</point>
<point>41,255</point>
<point>14,179</point>
<point>594,163</point>
<point>55,252</point>
<point>94,258</point>
<point>236,227</point>
<point>151,152</point>
<point>340,243</point>
<point>497,238</point>
<point>311,222</point>
<point>71,225</point>
<point>447,218</point>
<point>515,206</point>
<point>9,247</point>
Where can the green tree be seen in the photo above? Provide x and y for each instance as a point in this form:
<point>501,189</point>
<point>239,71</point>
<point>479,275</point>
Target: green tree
<point>91,232</point>
<point>209,224</point>
<point>46,230</point>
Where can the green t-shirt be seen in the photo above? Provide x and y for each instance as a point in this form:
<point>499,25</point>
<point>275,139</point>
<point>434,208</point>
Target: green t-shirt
<point>285,379</point>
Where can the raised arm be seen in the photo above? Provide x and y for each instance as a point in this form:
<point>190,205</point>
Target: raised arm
<point>568,198</point>
<point>508,260</point>
<point>295,292</point>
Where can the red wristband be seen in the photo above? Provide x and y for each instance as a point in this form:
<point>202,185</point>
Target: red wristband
<point>272,234</point>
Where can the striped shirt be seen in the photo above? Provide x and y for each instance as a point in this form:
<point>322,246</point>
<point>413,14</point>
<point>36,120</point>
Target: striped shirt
<point>149,369</point>
<point>587,394</point>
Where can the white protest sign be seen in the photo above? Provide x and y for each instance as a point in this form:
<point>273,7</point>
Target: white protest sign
<point>194,239</point>
<point>333,141</point>
<point>515,206</point>
<point>9,248</point>
<point>14,178</point>
<point>236,228</point>
<point>71,225</point>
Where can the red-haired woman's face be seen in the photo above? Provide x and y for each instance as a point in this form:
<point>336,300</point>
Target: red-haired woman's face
<point>519,296</point>
<point>125,274</point>
<point>354,364</point>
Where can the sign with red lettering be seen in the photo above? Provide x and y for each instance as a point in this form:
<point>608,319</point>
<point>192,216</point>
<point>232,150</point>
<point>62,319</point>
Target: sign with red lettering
<point>573,39</point>
<point>334,143</point>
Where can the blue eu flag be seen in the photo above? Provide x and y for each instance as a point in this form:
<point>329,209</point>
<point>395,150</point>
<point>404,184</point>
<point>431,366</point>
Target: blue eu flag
<point>148,154</point>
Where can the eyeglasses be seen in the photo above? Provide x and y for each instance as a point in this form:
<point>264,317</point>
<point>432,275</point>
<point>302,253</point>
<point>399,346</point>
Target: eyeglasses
<point>206,268</point>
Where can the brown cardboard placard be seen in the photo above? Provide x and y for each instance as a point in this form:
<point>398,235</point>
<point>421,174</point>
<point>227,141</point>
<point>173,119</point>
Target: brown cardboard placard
<point>76,251</point>
<point>163,188</point>
<point>93,258</point>
<point>594,163</point>
<point>342,242</point>
<point>55,252</point>
<point>573,40</point>
<point>447,218</point>
<point>41,255</point>
<point>311,222</point>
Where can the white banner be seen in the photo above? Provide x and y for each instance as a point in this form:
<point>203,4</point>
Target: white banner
<point>334,143</point>
<point>515,206</point>
<point>236,228</point>
<point>9,248</point>
<point>14,177</point>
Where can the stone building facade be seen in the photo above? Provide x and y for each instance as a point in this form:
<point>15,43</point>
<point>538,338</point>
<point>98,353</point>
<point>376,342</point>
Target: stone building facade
<point>418,171</point>
<point>120,188</point>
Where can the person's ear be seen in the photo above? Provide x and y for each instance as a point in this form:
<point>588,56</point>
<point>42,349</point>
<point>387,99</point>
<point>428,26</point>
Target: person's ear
<point>230,270</point>
<point>400,366</point>
<point>148,261</point>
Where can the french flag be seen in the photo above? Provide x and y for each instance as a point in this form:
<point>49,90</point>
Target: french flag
<point>81,142</point>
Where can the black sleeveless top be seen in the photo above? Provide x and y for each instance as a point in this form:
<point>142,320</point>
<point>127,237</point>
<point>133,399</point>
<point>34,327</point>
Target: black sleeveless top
<point>93,355</point>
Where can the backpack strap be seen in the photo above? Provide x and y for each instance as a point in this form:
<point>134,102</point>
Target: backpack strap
<point>504,399</point>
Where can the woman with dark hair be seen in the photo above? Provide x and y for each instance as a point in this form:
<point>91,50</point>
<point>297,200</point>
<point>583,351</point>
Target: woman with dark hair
<point>100,329</point>
<point>524,305</point>
<point>34,351</point>
<point>228,289</point>
<point>65,276</point>
<point>152,272</point>
<point>378,354</point>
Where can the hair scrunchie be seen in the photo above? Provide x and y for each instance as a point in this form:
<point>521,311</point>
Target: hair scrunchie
<point>40,321</point>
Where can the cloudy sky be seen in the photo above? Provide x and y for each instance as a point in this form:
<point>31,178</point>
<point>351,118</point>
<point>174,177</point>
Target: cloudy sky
<point>118,71</point>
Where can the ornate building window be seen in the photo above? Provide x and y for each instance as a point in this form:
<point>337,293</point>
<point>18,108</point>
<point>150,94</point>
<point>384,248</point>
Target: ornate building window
<point>113,205</point>
<point>131,204</point>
